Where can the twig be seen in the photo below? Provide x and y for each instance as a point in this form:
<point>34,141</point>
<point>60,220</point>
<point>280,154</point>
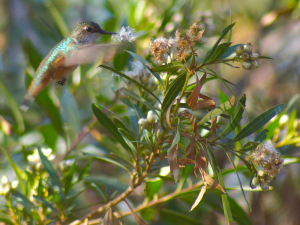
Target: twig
<point>121,197</point>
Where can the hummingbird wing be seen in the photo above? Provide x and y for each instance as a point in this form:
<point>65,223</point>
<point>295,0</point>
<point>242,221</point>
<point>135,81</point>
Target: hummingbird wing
<point>90,53</point>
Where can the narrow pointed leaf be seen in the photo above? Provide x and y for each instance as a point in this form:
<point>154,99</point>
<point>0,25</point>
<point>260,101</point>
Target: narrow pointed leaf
<point>261,136</point>
<point>212,51</point>
<point>227,209</point>
<point>258,122</point>
<point>131,80</point>
<point>217,111</point>
<point>110,126</point>
<point>173,91</point>
<point>236,172</point>
<point>50,169</point>
<point>235,118</point>
<point>108,160</point>
<point>169,67</point>
<point>221,49</point>
<point>199,197</point>
<point>44,202</point>
<point>230,51</point>
<point>69,178</point>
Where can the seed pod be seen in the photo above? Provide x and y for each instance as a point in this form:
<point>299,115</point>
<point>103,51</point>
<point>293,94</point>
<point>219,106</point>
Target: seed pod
<point>247,65</point>
<point>254,182</point>
<point>150,117</point>
<point>244,56</point>
<point>255,64</point>
<point>253,56</point>
<point>240,50</point>
<point>248,48</point>
<point>260,173</point>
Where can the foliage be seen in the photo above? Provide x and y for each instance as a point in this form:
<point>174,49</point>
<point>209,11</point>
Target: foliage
<point>159,120</point>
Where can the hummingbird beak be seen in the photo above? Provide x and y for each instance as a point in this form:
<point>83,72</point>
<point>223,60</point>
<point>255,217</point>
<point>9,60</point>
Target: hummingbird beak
<point>106,32</point>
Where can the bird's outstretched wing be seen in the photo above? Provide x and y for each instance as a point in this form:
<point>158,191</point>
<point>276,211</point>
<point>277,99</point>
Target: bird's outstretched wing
<point>90,53</point>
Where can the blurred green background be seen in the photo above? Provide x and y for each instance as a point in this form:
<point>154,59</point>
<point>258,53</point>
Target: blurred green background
<point>29,29</point>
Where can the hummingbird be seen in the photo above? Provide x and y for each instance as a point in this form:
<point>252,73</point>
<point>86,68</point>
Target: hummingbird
<point>76,49</point>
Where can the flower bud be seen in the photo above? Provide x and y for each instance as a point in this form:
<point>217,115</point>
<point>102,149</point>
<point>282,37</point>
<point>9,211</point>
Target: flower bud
<point>143,122</point>
<point>4,180</point>
<point>255,64</point>
<point>248,48</point>
<point>244,56</point>
<point>260,173</point>
<point>150,117</point>
<point>254,182</point>
<point>264,185</point>
<point>253,56</point>
<point>247,65</point>
<point>240,50</point>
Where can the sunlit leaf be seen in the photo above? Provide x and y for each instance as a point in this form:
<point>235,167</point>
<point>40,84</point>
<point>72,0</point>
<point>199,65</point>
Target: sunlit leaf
<point>169,67</point>
<point>50,169</point>
<point>258,122</point>
<point>175,87</point>
<point>44,202</point>
<point>217,111</point>
<point>227,209</point>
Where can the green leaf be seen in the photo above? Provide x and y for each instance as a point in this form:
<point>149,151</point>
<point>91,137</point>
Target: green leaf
<point>147,65</point>
<point>258,122</point>
<point>216,111</point>
<point>235,118</point>
<point>238,213</point>
<point>221,49</point>
<point>69,178</point>
<point>212,51</point>
<point>173,91</point>
<point>230,51</point>
<point>34,56</point>
<point>15,168</point>
<point>138,98</point>
<point>175,217</point>
<point>108,160</point>
<point>131,80</point>
<point>264,57</point>
<point>215,166</point>
<point>227,209</point>
<point>44,202</point>
<point>14,107</point>
<point>169,67</point>
<point>50,169</point>
<point>110,126</point>
<point>153,187</point>
<point>261,136</point>
<point>108,181</point>
<point>236,172</point>
<point>24,201</point>
<point>6,219</point>
<point>249,146</point>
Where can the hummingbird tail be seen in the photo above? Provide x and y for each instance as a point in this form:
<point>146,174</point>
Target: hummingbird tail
<point>25,105</point>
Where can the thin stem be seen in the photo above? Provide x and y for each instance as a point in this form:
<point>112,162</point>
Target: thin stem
<point>121,197</point>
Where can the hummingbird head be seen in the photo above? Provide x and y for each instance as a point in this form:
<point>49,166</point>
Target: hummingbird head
<point>87,32</point>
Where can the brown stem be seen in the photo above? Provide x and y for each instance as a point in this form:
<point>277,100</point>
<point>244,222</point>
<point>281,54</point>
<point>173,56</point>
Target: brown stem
<point>121,197</point>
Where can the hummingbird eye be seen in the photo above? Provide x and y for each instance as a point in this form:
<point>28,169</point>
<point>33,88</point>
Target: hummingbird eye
<point>88,29</point>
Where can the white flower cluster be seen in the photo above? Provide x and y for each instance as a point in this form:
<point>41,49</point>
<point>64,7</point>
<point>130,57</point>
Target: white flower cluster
<point>179,46</point>
<point>151,120</point>
<point>268,162</point>
<point>126,34</point>
<point>34,159</point>
<point>6,187</point>
<point>141,74</point>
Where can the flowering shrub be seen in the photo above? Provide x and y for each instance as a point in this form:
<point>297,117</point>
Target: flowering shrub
<point>171,125</point>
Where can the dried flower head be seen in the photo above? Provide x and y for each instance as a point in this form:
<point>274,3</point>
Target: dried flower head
<point>178,46</point>
<point>159,49</point>
<point>126,34</point>
<point>268,162</point>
